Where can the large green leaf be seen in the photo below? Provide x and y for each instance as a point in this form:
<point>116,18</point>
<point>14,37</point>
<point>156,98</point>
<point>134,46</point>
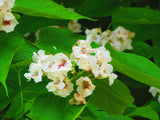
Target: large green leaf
<point>144,111</point>
<point>142,49</point>
<point>45,8</point>
<point>62,39</point>
<point>136,67</point>
<point>156,55</point>
<point>101,8</point>
<point>25,25</point>
<point>102,115</point>
<point>50,107</point>
<point>28,49</point>
<point>136,15</point>
<point>112,99</point>
<point>9,44</point>
<point>4,100</point>
<point>21,93</point>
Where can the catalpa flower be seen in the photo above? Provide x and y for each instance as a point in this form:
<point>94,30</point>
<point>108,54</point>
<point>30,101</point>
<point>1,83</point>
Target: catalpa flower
<point>63,62</point>
<point>105,37</point>
<point>121,32</point>
<point>74,26</point>
<point>112,77</point>
<point>102,55</point>
<point>7,19</point>
<point>82,50</point>
<point>35,73</point>
<point>43,60</point>
<point>61,88</point>
<point>120,39</point>
<point>77,100</point>
<point>60,76</point>
<point>85,86</point>
<point>105,70</point>
<point>155,91</point>
<point>6,5</point>
<point>89,64</point>
<point>93,35</point>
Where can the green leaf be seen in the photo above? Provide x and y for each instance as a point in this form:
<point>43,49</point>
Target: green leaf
<point>9,44</point>
<point>4,100</point>
<point>101,8</point>
<point>136,15</point>
<point>21,96</point>
<point>25,52</point>
<point>62,39</point>
<point>25,25</point>
<point>112,99</point>
<point>23,56</point>
<point>101,115</point>
<point>156,55</point>
<point>45,8</point>
<point>114,117</point>
<point>136,67</point>
<point>15,109</point>
<point>155,106</point>
<point>142,49</point>
<point>145,111</point>
<point>50,107</point>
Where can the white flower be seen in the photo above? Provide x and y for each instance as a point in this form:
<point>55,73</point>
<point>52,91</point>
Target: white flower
<point>82,50</point>
<point>102,55</point>
<point>7,19</point>
<point>121,32</point>
<point>89,64</point>
<point>56,76</point>
<point>93,35</point>
<point>154,91</point>
<point>37,57</point>
<point>120,39</point>
<point>6,5</point>
<point>105,70</point>
<point>112,77</point>
<point>63,62</point>
<point>74,26</point>
<point>61,88</point>
<point>48,63</point>
<point>105,37</point>
<point>67,89</point>
<point>85,86</point>
<point>56,85</point>
<point>77,100</point>
<point>45,61</point>
<point>7,22</point>
<point>35,73</point>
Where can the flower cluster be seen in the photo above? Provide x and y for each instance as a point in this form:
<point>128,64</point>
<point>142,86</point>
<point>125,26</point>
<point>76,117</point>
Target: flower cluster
<point>7,19</point>
<point>56,68</point>
<point>94,60</point>
<point>119,39</point>
<point>155,91</point>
